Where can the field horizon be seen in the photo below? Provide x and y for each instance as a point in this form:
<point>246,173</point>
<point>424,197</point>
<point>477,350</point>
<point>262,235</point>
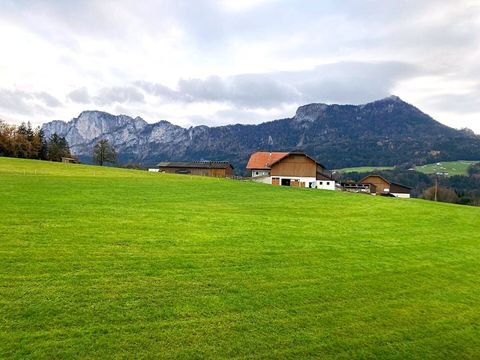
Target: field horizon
<point>99,262</point>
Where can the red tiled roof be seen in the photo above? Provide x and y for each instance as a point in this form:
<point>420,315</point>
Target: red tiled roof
<point>263,160</point>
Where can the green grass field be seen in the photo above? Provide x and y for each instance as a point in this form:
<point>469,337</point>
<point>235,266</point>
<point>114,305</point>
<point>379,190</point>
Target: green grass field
<point>102,263</point>
<point>364,169</point>
<point>452,167</point>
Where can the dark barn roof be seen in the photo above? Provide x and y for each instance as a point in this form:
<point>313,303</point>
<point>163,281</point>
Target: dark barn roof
<point>195,164</point>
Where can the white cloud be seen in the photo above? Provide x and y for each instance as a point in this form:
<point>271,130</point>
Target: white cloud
<point>80,96</point>
<point>337,82</point>
<point>118,94</point>
<point>28,103</point>
<point>243,5</point>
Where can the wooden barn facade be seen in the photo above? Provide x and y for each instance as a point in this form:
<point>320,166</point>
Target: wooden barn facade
<point>218,169</point>
<point>385,187</point>
<point>289,169</point>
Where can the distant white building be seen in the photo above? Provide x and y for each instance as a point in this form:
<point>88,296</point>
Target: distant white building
<point>289,169</point>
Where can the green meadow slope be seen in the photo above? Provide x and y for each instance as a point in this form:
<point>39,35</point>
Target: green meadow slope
<point>364,169</point>
<point>459,167</point>
<point>106,263</point>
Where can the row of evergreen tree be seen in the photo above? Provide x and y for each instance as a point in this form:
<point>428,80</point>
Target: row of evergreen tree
<point>23,141</point>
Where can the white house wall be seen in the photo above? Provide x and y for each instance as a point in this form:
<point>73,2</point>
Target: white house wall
<point>262,179</point>
<point>260,173</point>
<point>308,180</point>
<point>326,184</point>
<point>401,195</point>
<point>319,184</point>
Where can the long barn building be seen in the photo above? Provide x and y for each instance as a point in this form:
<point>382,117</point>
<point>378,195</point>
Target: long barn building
<point>202,168</point>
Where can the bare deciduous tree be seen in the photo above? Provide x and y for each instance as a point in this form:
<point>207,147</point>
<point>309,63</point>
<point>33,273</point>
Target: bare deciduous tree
<point>103,152</point>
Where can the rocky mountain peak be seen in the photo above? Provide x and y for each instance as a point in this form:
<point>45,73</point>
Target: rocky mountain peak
<point>310,112</point>
<point>389,100</point>
<point>384,132</point>
<point>392,98</point>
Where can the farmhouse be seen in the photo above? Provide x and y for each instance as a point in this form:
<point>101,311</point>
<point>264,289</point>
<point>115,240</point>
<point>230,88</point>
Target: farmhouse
<point>289,169</point>
<point>385,187</point>
<point>202,168</point>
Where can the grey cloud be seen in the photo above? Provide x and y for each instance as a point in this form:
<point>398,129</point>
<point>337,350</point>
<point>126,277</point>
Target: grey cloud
<point>119,94</point>
<point>80,96</point>
<point>258,91</point>
<point>352,82</point>
<point>16,100</point>
<point>339,82</point>
<point>48,99</point>
<point>107,95</point>
<point>27,103</point>
<point>161,91</point>
<point>468,102</point>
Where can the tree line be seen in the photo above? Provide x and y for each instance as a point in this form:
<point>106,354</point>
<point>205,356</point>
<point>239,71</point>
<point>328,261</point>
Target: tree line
<point>26,142</point>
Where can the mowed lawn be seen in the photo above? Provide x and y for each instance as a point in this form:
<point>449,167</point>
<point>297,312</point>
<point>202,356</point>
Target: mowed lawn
<point>102,263</point>
<point>451,167</point>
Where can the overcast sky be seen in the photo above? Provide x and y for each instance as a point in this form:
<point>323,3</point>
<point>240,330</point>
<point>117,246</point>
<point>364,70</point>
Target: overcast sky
<point>215,62</point>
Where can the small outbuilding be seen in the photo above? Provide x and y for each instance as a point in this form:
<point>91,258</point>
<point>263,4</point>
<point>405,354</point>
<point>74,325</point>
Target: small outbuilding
<point>202,168</point>
<point>385,187</point>
<point>69,160</point>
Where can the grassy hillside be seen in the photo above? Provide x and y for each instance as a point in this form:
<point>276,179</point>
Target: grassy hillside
<point>452,167</point>
<point>364,169</point>
<point>109,263</point>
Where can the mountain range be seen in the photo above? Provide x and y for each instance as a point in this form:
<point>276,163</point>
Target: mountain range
<point>384,132</point>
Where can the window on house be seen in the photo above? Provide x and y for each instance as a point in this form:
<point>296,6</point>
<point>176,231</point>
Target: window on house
<point>328,182</point>
<point>321,182</point>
